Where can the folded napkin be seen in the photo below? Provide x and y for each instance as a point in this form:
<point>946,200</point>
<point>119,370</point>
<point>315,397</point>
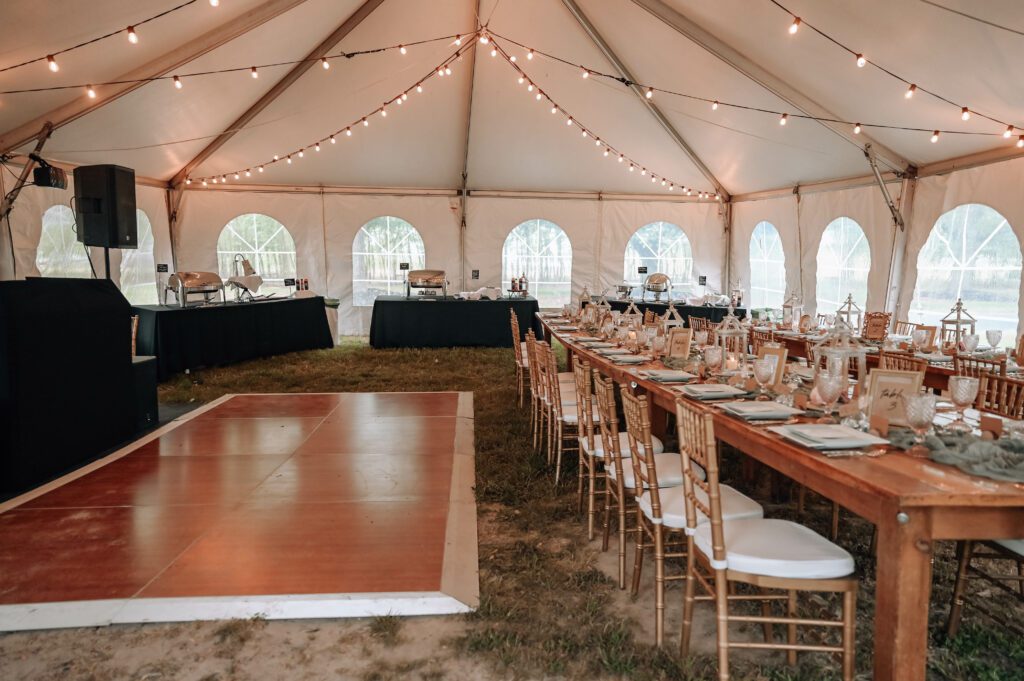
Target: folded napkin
<point>711,391</point>
<point>667,375</point>
<point>608,352</point>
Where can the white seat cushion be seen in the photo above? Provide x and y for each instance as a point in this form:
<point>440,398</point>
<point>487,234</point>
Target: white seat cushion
<point>1015,545</point>
<point>657,445</point>
<point>735,505</point>
<point>668,464</point>
<point>778,548</point>
<point>569,414</point>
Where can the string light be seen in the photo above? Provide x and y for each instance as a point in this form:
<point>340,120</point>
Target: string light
<point>484,39</point>
<point>643,171</point>
<point>316,147</point>
<point>419,88</point>
<point>539,96</point>
<point>248,173</point>
<point>965,114</point>
<point>494,53</point>
<point>214,3</point>
<point>177,82</point>
<point>649,93</point>
<point>458,40</point>
<point>714,106</point>
<point>383,112</point>
<point>795,26</point>
<point>1008,132</point>
<point>333,141</point>
<point>529,55</point>
<point>621,158</point>
<point>366,123</point>
<point>348,132</point>
<point>554,109</point>
<point>935,137</point>
<point>861,61</point>
<point>52,63</point>
<point>783,119</point>
<point>260,168</point>
<point>401,48</point>
<point>301,153</point>
<point>568,121</point>
<point>586,74</point>
<point>447,70</point>
<point>324,63</point>
<point>133,37</point>
<point>254,72</point>
<point>856,129</point>
<point>910,91</point>
<point>236,176</point>
<point>90,91</point>
<point>204,183</point>
<point>1020,142</point>
<point>289,159</point>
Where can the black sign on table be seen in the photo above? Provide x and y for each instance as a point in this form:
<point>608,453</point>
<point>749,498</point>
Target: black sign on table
<point>204,336</point>
<point>448,322</point>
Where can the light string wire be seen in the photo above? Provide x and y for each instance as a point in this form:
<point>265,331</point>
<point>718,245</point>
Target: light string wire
<point>97,39</point>
<point>909,83</point>
<point>965,15</point>
<point>442,69</point>
<point>608,150</point>
<point>180,77</point>
<point>716,103</point>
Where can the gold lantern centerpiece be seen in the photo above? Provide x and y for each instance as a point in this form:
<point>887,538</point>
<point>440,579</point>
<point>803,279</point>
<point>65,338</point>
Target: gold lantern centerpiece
<point>792,311</point>
<point>850,313</point>
<point>731,337</point>
<point>957,324</point>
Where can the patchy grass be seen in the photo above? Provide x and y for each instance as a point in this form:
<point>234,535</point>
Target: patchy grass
<point>386,628</point>
<point>546,610</point>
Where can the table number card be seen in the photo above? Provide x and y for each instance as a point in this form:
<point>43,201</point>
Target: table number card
<point>886,390</point>
<point>777,356</point>
<point>679,342</point>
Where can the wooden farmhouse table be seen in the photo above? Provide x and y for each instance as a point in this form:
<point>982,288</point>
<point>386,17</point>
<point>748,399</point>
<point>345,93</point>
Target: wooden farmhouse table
<point>913,502</point>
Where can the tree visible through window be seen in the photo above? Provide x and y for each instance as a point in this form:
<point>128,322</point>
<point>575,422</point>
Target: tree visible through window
<point>767,267</point>
<point>265,242</point>
<point>973,254</point>
<point>138,269</point>
<point>378,250</point>
<point>59,253</point>
<point>661,247</point>
<point>844,261</point>
<point>540,250</point>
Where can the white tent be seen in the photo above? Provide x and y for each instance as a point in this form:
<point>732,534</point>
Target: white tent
<point>475,155</point>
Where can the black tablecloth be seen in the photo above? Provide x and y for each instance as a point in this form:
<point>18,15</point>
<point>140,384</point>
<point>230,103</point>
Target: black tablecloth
<point>714,313</point>
<point>192,337</point>
<point>401,323</point>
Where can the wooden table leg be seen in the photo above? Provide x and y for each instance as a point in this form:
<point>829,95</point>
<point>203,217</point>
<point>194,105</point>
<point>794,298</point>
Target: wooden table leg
<point>902,592</point>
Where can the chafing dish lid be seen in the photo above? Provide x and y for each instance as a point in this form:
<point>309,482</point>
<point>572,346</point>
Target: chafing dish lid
<point>426,278</point>
<point>657,282</point>
<point>195,280</point>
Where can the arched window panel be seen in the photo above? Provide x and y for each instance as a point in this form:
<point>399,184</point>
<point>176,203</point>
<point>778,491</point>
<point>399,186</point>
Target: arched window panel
<point>266,243</point>
<point>844,262</point>
<point>767,267</point>
<point>971,253</point>
<point>540,249</point>
<point>138,268</point>
<point>660,247</point>
<point>378,250</point>
<point>59,253</point>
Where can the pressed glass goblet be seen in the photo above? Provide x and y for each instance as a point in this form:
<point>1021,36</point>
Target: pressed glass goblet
<point>962,392</point>
<point>764,372</point>
<point>920,412</point>
<point>971,342</point>
<point>713,357</point>
<point>993,336</point>
<point>829,388</point>
<point>658,346</point>
<point>918,338</point>
<point>700,338</point>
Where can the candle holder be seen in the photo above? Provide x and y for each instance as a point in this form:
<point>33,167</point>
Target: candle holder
<point>840,351</point>
<point>731,337</point>
<point>852,315</point>
<point>957,324</point>
<point>792,311</point>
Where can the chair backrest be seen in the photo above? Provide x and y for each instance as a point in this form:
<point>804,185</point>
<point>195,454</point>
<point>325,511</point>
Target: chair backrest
<point>554,389</point>
<point>533,367</point>
<point>951,335</point>
<point>901,328</point>
<point>964,365</point>
<point>517,348</point>
<point>901,361</point>
<point>638,429</point>
<point>876,325</point>
<point>814,360</point>
<point>604,391</point>
<point>699,323</point>
<point>584,401</point>
<point>759,338</point>
<point>697,446</point>
<point>1019,352</point>
<point>1001,395</point>
<point>648,317</point>
<point>541,350</point>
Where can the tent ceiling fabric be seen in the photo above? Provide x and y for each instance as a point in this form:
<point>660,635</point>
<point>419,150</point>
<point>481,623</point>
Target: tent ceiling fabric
<point>514,142</point>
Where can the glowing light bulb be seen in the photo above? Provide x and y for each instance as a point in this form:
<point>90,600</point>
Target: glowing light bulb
<point>254,72</point>
<point>663,183</point>
<point>643,171</point>
<point>529,88</point>
<point>177,82</point>
<point>276,157</point>
<point>248,173</point>
<point>333,141</point>
<point>401,48</point>
<point>935,137</point>
<point>301,153</point>
<point>289,159</point>
<point>529,55</point>
<point>583,134</point>
<point>224,179</point>
<point>631,168</point>
<point>714,106</point>
<point>597,142</point>
<point>458,40</point>
<point>861,61</point>
<point>539,96</point>
<point>419,88</point>
<point>568,121</point>
<point>52,63</point>
<point>671,187</point>
<point>316,147</point>
<point>910,91</point>
<point>188,180</point>
<point>605,152</point>
<point>554,109</point>
<point>440,71</point>
<point>494,52</point>
<point>133,37</point>
<point>447,70</point>
<point>1020,142</point>
<point>214,3</point>
<point>586,74</point>
<point>1008,132</point>
<point>649,93</point>
<point>795,26</point>
<point>965,114</point>
<point>260,169</point>
<point>90,91</point>
<point>366,123</point>
<point>521,80</point>
<point>398,101</point>
<point>484,39</point>
<point>204,183</point>
<point>856,129</point>
<point>783,119</point>
<point>383,112</point>
<point>324,63</point>
<point>237,176</point>
<point>621,157</point>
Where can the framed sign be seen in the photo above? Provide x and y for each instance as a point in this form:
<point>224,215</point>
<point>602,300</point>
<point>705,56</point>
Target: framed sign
<point>642,269</point>
<point>876,326</point>
<point>162,267</point>
<point>403,266</point>
<point>777,356</point>
<point>289,282</point>
<point>679,339</point>
<point>886,388</point>
<point>931,334</point>
<point>702,280</point>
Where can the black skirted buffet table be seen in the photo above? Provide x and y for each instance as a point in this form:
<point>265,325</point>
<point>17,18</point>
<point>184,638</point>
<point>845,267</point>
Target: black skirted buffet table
<point>713,313</point>
<point>449,322</point>
<point>213,335</point>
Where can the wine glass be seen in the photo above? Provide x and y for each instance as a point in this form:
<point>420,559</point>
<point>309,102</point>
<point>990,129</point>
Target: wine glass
<point>829,387</point>
<point>764,372</point>
<point>700,338</point>
<point>920,413</point>
<point>993,336</point>
<point>962,392</point>
<point>971,342</point>
<point>919,338</point>
<point>713,357</point>
<point>658,345</point>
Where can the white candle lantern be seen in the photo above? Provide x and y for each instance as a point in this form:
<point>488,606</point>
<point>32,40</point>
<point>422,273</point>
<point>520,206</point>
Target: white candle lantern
<point>731,337</point>
<point>850,313</point>
<point>957,324</point>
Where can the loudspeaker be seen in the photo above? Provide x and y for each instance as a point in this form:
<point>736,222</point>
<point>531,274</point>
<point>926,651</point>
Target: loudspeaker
<point>105,206</point>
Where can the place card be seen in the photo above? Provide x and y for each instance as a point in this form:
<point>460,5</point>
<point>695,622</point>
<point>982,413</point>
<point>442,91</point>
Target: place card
<point>991,424</point>
<point>777,356</point>
<point>679,340</point>
<point>886,390</point>
<point>878,424</point>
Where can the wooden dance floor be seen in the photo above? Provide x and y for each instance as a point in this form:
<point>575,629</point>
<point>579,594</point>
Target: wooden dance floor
<point>284,506</point>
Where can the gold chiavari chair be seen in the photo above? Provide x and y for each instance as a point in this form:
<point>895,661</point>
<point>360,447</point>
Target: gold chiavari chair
<point>1019,352</point>
<point>778,558</point>
<point>712,329</point>
<point>661,508</point>
<point>1009,552</point>
<point>589,473</point>
<point>964,365</point>
<point>901,328</point>
<point>562,421</point>
<point>759,338</point>
<point>699,324</point>
<point>519,352</point>
<point>614,451</point>
<point>1001,395</point>
<point>901,361</point>
<point>649,317</point>
<point>538,387</point>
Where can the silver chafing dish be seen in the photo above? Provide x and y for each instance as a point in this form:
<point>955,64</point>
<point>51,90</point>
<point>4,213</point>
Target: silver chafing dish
<point>426,280</point>
<point>657,284</point>
<point>623,291</point>
<point>184,284</point>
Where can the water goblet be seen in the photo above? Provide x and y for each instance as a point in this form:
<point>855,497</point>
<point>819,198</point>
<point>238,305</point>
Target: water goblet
<point>658,346</point>
<point>700,338</point>
<point>971,342</point>
<point>713,357</point>
<point>919,338</point>
<point>993,336</point>
<point>764,372</point>
<point>920,413</point>
<point>829,387</point>
<point>962,392</point>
